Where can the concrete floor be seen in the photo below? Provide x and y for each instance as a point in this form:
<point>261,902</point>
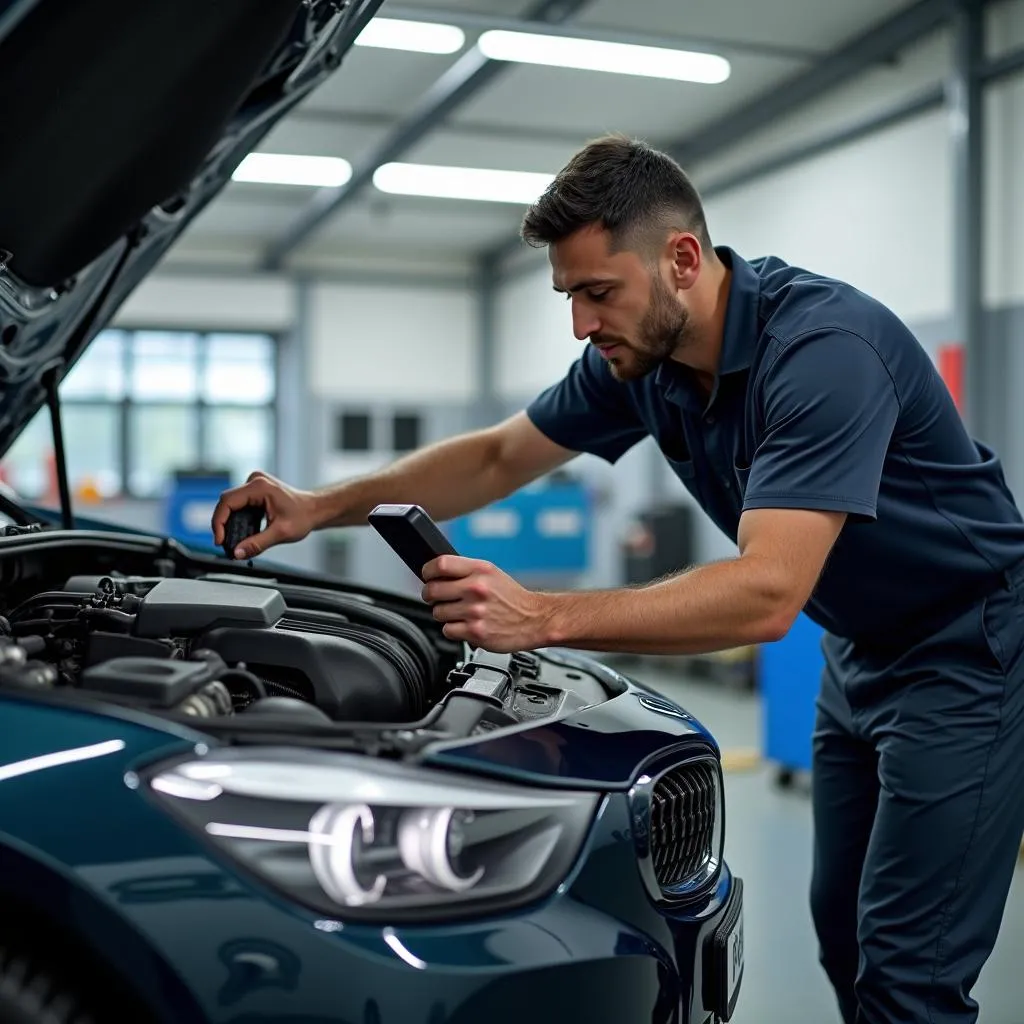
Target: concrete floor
<point>768,843</point>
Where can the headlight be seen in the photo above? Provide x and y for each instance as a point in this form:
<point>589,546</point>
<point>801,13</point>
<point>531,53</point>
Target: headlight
<point>365,839</point>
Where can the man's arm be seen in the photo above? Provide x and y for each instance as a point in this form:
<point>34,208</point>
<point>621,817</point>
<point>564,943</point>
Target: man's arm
<point>586,411</point>
<point>448,479</point>
<point>751,599</point>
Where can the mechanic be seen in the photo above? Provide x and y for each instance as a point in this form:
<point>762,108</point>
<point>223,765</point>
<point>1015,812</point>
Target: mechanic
<point>812,427</point>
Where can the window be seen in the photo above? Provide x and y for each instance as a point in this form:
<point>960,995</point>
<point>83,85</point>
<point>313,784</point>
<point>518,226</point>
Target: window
<point>352,432</point>
<point>164,367</point>
<point>164,439</point>
<point>405,432</point>
<point>140,405</point>
<point>238,439</point>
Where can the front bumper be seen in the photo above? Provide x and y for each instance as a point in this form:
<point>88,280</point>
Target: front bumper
<point>595,952</point>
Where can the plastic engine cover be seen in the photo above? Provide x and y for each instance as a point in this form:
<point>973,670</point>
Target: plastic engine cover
<point>177,607</point>
<point>342,677</point>
<point>351,672</point>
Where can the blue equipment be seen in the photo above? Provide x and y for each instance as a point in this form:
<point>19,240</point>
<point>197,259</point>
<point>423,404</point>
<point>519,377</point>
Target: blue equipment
<point>790,677</point>
<point>190,503</point>
<point>541,530</point>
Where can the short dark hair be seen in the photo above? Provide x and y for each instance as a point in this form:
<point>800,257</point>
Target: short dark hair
<point>633,191</point>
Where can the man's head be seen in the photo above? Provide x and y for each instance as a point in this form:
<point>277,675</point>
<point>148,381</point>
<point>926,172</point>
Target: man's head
<point>627,238</point>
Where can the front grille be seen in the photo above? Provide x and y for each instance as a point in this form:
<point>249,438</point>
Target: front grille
<point>683,808</point>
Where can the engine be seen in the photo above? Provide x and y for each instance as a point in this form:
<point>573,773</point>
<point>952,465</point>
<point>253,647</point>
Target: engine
<point>213,646</point>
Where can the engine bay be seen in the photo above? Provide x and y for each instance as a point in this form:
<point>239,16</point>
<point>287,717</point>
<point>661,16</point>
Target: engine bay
<point>250,656</point>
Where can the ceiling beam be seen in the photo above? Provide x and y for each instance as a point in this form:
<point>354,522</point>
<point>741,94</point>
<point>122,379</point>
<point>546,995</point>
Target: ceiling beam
<point>883,42</point>
<point>1004,66</point>
<point>474,21</point>
<point>462,80</point>
<point>475,129</point>
<point>923,102</point>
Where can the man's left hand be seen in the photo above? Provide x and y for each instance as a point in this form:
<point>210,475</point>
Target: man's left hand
<point>480,604</point>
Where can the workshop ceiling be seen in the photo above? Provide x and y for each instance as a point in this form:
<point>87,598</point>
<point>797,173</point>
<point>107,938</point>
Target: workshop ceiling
<point>526,118</point>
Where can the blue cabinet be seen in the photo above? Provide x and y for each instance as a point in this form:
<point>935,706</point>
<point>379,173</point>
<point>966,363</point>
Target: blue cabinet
<point>189,506</point>
<point>540,531</point>
<point>790,677</point>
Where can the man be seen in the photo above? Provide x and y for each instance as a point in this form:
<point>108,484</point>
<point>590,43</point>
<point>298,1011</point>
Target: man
<point>814,430</point>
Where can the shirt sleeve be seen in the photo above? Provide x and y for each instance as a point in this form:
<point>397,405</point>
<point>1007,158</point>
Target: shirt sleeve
<point>589,411</point>
<point>830,406</point>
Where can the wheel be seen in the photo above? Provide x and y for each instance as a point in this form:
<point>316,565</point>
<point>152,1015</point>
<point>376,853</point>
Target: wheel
<point>785,778</point>
<point>31,994</point>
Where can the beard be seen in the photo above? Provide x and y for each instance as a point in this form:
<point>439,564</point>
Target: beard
<point>664,328</point>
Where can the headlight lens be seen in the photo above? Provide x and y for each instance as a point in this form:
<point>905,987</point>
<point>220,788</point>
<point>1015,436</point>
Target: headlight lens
<point>366,839</point>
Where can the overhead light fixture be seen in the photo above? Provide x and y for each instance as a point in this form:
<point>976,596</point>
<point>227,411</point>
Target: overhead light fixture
<point>596,55</point>
<point>461,182</point>
<point>293,169</point>
<point>415,36</point>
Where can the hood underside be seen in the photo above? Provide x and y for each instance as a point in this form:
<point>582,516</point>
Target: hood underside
<point>122,121</point>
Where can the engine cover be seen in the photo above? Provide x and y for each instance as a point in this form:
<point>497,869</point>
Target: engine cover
<point>184,607</point>
<point>351,671</point>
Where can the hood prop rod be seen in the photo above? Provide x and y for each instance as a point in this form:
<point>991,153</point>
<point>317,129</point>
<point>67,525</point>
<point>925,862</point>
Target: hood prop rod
<point>50,381</point>
<point>53,401</point>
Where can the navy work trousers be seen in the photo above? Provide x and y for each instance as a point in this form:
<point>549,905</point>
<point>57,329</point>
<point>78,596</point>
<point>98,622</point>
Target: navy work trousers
<point>918,793</point>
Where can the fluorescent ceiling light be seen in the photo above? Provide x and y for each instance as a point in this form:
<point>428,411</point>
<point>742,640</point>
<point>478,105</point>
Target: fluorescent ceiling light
<point>595,55</point>
<point>289,169</point>
<point>461,182</point>
<point>416,36</point>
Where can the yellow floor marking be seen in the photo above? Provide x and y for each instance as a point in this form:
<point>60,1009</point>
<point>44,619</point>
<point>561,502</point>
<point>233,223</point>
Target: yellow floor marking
<point>741,760</point>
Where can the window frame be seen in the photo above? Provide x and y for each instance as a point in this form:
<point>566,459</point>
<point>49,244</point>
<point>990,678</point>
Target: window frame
<point>199,407</point>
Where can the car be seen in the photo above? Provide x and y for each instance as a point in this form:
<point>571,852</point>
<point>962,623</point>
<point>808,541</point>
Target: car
<point>241,792</point>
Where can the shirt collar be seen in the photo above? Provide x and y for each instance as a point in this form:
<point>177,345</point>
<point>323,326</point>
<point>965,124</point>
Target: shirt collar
<point>740,332</point>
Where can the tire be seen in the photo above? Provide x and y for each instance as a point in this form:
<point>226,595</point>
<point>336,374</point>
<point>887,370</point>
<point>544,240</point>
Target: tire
<point>31,994</point>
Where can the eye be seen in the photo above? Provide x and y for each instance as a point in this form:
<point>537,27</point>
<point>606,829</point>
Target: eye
<point>599,296</point>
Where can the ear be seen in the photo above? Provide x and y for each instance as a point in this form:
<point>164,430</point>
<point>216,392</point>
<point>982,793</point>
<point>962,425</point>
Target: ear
<point>685,257</point>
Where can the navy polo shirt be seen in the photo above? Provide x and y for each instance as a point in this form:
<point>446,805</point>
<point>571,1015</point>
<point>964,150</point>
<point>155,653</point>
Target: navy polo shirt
<point>823,400</point>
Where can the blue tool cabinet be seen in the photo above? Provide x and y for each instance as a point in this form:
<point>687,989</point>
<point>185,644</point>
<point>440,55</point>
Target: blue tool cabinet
<point>790,677</point>
<point>189,505</point>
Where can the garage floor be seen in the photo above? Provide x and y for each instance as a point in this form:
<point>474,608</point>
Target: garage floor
<point>768,843</point>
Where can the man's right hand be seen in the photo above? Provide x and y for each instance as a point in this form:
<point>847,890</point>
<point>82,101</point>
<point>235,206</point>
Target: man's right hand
<point>289,513</point>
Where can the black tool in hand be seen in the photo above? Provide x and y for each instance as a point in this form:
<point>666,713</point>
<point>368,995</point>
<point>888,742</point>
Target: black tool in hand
<point>241,524</point>
<point>411,534</point>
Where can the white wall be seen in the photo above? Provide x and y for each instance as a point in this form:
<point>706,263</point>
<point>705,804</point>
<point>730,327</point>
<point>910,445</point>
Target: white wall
<point>1004,194</point>
<point>1004,171</point>
<point>918,67</point>
<point>876,213</point>
<point>254,302</point>
<point>393,343</point>
<point>366,340</point>
<point>535,340</point>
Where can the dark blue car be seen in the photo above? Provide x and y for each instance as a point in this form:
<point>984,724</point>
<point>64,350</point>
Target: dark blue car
<point>237,794</point>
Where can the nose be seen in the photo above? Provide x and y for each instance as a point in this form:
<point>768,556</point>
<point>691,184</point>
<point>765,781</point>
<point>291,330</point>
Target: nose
<point>585,321</point>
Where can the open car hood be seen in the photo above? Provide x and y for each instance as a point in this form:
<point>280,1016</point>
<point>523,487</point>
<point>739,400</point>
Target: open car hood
<point>122,120</point>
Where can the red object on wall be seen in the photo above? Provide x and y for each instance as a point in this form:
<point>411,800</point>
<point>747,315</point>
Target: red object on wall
<point>951,367</point>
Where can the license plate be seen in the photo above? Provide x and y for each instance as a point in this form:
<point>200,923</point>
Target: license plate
<point>723,958</point>
<point>734,960</point>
